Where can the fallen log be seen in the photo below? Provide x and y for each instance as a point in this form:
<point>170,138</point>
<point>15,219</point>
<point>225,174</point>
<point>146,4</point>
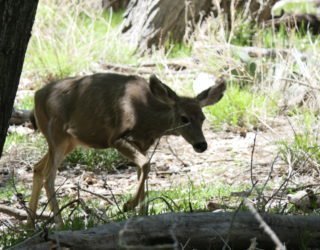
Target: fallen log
<point>149,68</point>
<point>189,231</point>
<point>19,117</point>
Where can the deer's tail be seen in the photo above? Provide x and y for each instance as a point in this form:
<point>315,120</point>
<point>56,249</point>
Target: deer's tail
<point>33,120</point>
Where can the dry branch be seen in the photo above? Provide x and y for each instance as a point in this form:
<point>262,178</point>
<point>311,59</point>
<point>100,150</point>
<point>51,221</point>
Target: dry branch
<point>195,230</point>
<point>19,213</point>
<point>265,226</point>
<point>255,52</point>
<point>126,69</point>
<point>149,68</point>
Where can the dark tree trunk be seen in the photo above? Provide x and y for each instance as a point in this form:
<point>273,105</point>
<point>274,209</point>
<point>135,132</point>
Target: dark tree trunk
<point>255,10</point>
<point>116,5</point>
<point>152,22</point>
<point>17,17</point>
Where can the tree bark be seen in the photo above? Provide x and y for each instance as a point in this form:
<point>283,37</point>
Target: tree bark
<point>16,22</point>
<point>194,231</point>
<point>152,22</point>
<point>116,5</point>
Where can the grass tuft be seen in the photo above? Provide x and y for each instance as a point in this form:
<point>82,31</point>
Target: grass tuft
<point>69,39</point>
<point>303,152</point>
<point>241,107</point>
<point>95,159</point>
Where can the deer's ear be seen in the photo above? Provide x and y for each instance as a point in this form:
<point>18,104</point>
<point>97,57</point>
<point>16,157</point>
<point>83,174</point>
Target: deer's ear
<point>213,94</point>
<point>161,91</point>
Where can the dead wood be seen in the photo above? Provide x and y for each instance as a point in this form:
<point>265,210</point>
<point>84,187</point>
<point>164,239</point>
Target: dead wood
<point>254,52</point>
<point>193,230</point>
<point>19,117</point>
<point>19,213</point>
<point>182,67</point>
<point>125,69</point>
<point>298,22</point>
<point>152,23</point>
<point>306,200</point>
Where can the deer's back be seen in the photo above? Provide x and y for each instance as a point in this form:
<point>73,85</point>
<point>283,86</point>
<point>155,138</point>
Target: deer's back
<point>98,109</point>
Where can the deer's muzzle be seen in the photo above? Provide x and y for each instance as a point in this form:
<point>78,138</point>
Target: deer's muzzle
<point>200,147</point>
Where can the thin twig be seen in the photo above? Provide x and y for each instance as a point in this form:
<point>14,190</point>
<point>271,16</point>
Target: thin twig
<point>175,154</point>
<point>20,199</point>
<point>252,154</point>
<point>300,83</point>
<point>304,187</point>
<point>265,226</point>
<point>235,214</point>
<point>98,195</point>
<point>164,200</point>
<point>266,182</point>
<point>78,197</point>
<point>283,184</point>
<point>60,210</point>
<point>49,200</point>
<point>106,185</point>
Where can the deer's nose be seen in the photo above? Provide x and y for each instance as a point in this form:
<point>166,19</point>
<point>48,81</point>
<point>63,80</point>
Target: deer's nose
<point>200,147</point>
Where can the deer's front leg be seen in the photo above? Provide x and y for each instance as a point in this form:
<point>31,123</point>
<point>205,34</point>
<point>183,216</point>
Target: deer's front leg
<point>142,162</point>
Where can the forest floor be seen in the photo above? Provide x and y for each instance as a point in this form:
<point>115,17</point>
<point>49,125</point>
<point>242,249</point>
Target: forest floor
<point>233,158</point>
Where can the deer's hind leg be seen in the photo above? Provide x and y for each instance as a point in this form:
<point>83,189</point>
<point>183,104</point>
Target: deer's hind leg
<point>57,153</point>
<point>59,145</point>
<point>36,189</point>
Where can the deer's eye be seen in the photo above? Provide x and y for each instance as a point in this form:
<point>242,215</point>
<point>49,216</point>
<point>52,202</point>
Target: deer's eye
<point>184,119</point>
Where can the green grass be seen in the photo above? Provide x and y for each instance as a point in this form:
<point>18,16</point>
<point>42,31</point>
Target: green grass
<point>185,198</point>
<point>67,40</point>
<point>243,34</point>
<point>25,143</point>
<point>241,107</point>
<point>300,39</point>
<point>12,237</point>
<point>188,198</point>
<point>14,139</point>
<point>304,147</point>
<point>27,102</point>
<point>303,151</point>
<point>95,159</point>
<point>176,50</point>
<point>11,233</point>
<point>7,192</point>
<point>91,158</point>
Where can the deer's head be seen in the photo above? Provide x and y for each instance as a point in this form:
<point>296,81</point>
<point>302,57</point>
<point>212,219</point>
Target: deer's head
<point>188,115</point>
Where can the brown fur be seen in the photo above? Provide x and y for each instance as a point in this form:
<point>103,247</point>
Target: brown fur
<point>110,110</point>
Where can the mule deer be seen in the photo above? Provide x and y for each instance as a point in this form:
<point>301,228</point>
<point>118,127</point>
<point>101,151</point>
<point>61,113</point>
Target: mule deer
<point>110,110</point>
